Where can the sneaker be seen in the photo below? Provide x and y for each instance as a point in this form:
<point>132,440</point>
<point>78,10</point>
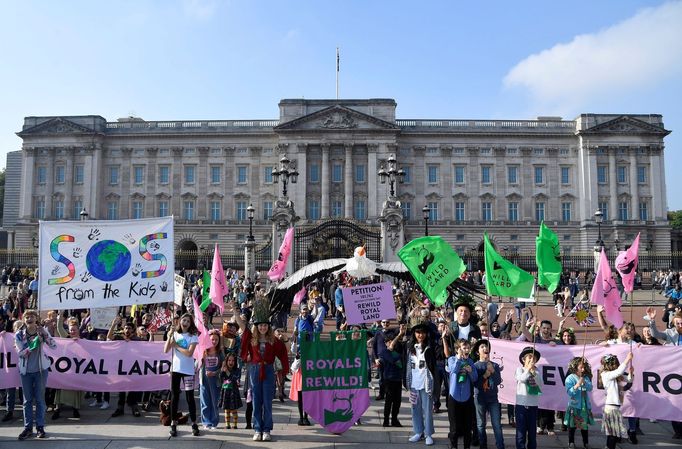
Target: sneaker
<point>266,436</point>
<point>257,436</point>
<point>26,433</point>
<point>653,421</point>
<point>414,438</point>
<point>195,430</point>
<point>429,441</point>
<point>540,431</point>
<point>76,414</point>
<point>41,432</point>
<point>306,421</point>
<point>571,445</point>
<point>301,422</point>
<point>93,403</point>
<point>173,430</point>
<point>104,406</point>
<point>551,433</point>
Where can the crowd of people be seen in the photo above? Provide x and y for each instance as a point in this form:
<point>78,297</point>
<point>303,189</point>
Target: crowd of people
<point>437,357</point>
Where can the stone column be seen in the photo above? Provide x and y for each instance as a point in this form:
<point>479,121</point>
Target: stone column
<point>27,188</point>
<point>634,215</point>
<point>657,183</point>
<point>49,187</point>
<point>447,183</point>
<point>68,183</point>
<point>392,231</point>
<point>91,198</point>
<point>372,190</point>
<point>228,205</point>
<point>348,182</point>
<point>249,258</point>
<point>201,182</point>
<point>151,182</point>
<point>325,180</point>
<point>613,186</point>
<point>299,190</point>
<point>126,168</point>
<point>176,182</point>
<point>419,180</point>
<point>526,180</point>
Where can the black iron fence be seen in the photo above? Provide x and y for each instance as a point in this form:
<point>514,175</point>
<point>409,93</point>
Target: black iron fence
<point>189,260</point>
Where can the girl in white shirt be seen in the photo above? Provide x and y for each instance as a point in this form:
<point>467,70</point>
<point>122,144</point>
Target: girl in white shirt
<point>183,340</point>
<point>612,379</point>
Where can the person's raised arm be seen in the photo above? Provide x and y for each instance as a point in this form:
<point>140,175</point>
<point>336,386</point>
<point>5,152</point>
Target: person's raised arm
<point>116,321</point>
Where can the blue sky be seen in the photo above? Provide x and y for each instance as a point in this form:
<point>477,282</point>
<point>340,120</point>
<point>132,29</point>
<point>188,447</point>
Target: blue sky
<point>207,59</point>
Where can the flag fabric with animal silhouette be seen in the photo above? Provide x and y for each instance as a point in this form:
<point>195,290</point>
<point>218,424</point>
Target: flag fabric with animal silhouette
<point>218,282</point>
<point>279,266</point>
<point>626,265</point>
<point>548,258</point>
<point>433,264</point>
<point>205,289</point>
<point>335,379</point>
<point>503,278</point>
<point>605,293</point>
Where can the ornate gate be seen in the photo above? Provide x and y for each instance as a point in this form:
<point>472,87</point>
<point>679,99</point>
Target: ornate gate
<point>334,238</point>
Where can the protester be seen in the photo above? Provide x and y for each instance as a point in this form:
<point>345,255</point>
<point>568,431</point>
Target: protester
<point>130,398</point>
<point>611,378</point>
<point>392,373</point>
<point>230,398</point>
<point>460,403</point>
<point>295,392</point>
<point>260,348</point>
<point>209,390</point>
<point>579,409</point>
<point>70,398</point>
<point>528,390</point>
<point>33,370</point>
<point>183,340</point>
<point>485,394</point>
<point>419,381</point>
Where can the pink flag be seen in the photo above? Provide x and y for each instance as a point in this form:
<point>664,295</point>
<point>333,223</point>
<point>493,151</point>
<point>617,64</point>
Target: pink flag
<point>626,265</point>
<point>299,296</point>
<point>278,268</point>
<point>204,338</point>
<point>605,292</point>
<point>218,284</point>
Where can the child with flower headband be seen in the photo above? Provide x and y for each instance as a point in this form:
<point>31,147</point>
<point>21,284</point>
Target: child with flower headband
<point>209,388</point>
<point>230,400</point>
<point>612,380</point>
<point>579,410</point>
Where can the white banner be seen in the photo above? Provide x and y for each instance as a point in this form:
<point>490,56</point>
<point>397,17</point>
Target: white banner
<point>179,289</point>
<point>92,264</point>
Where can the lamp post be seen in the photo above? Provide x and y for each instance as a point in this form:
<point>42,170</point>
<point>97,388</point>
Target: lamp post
<point>599,218</point>
<point>250,246</point>
<point>425,214</point>
<point>84,215</point>
<point>286,172</point>
<point>391,173</point>
<point>617,242</point>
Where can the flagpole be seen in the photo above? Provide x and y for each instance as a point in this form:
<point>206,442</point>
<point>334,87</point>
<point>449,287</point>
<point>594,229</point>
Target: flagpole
<point>535,324</point>
<point>337,72</point>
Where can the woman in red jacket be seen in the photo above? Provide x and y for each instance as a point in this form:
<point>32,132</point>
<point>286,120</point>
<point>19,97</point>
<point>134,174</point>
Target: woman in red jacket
<point>259,349</point>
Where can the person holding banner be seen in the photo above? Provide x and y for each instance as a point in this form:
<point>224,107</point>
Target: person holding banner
<point>611,377</point>
<point>33,366</point>
<point>486,393</point>
<point>528,383</point>
<point>579,410</point>
<point>131,398</point>
<point>259,349</point>
<point>183,340</point>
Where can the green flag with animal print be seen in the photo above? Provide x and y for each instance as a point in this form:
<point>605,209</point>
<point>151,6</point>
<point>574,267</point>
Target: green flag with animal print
<point>503,278</point>
<point>548,258</point>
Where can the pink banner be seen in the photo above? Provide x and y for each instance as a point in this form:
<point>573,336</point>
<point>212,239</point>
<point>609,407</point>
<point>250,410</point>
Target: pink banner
<point>656,392</point>
<point>605,292</point>
<point>278,268</point>
<point>88,365</point>
<point>298,297</point>
<point>369,303</point>
<point>626,265</point>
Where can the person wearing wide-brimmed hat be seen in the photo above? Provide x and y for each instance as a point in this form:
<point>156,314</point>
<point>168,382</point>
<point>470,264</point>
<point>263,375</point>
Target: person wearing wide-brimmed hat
<point>260,348</point>
<point>421,359</point>
<point>485,393</point>
<point>528,390</point>
<point>463,326</point>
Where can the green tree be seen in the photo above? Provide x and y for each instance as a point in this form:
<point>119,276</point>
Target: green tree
<point>674,217</point>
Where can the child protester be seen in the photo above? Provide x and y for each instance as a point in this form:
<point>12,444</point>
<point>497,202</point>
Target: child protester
<point>528,392</point>
<point>579,410</point>
<point>612,379</point>
<point>419,373</point>
<point>209,391</point>
<point>230,399</point>
<point>485,394</point>
<point>460,399</point>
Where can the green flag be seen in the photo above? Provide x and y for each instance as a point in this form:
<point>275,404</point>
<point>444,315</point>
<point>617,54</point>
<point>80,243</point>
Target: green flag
<point>503,278</point>
<point>433,264</point>
<point>205,299</point>
<point>548,258</point>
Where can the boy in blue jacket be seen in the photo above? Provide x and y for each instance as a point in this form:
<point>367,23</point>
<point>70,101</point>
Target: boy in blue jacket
<point>460,398</point>
<point>485,393</point>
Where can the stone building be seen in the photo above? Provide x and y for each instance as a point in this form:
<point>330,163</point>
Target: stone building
<point>503,176</point>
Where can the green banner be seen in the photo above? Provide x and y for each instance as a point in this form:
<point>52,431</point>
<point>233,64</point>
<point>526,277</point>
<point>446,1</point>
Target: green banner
<point>548,258</point>
<point>433,264</point>
<point>503,278</point>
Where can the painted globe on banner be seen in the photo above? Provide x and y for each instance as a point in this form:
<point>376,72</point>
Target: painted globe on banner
<point>108,260</point>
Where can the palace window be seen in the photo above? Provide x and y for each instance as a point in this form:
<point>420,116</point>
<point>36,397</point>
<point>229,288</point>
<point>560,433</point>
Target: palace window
<point>78,174</point>
<point>42,175</point>
<point>602,174</point>
<point>137,210</point>
<point>164,174</point>
<point>337,209</point>
<point>643,211</point>
<point>539,211</point>
<point>459,174</point>
<point>242,174</point>
<point>112,210</point>
<point>313,210</point>
<point>314,171</point>
<point>215,207</point>
<point>566,211</point>
<point>565,175</point>
<point>433,211</point>
<point>407,210</point>
<point>487,211</point>
<point>215,174</point>
<point>40,209</point>
<point>337,173</point>
<point>190,171</point>
<point>360,171</point>
<point>512,174</point>
<point>188,210</point>
<point>432,174</point>
<point>485,174</point>
<point>459,211</point>
<point>622,174</point>
<point>513,209</point>
<point>163,209</point>
<point>360,213</point>
<point>241,210</point>
<point>59,209</point>
<point>267,210</point>
<point>641,174</point>
<point>59,175</point>
<point>623,212</point>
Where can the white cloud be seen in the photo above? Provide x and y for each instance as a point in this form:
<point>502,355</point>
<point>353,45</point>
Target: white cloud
<point>200,9</point>
<point>634,54</point>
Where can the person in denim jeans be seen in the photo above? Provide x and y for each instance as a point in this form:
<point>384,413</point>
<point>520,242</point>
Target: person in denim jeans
<point>33,365</point>
<point>485,394</point>
<point>421,359</point>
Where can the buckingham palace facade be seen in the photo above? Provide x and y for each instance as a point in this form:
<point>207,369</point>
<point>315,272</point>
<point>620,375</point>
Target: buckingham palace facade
<point>503,176</point>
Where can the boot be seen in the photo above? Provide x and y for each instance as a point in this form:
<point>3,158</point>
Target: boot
<point>395,423</point>
<point>234,419</point>
<point>632,436</point>
<point>227,421</point>
<point>385,424</point>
